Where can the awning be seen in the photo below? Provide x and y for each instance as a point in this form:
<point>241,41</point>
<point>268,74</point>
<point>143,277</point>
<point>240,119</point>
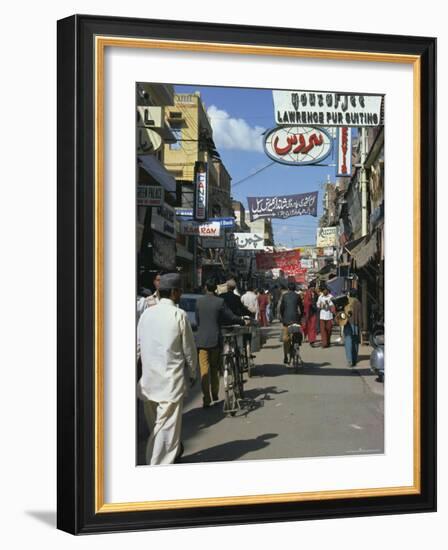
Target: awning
<point>325,272</point>
<point>367,251</point>
<point>336,285</point>
<point>352,246</point>
<point>157,171</point>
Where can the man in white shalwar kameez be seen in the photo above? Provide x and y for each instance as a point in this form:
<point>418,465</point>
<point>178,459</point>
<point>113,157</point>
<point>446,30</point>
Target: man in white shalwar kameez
<point>166,344</point>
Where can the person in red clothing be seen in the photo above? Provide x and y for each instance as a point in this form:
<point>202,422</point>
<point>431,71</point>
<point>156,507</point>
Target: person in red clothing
<point>310,308</point>
<point>263,301</point>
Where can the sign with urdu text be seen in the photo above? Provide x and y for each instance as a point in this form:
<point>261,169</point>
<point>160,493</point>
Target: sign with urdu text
<point>283,206</point>
<point>298,145</point>
<point>249,241</point>
<point>288,261</point>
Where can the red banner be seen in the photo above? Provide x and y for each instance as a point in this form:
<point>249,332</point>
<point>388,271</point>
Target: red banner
<point>288,261</point>
<point>299,276</point>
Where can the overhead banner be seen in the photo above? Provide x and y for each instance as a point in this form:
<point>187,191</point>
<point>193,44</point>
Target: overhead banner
<point>212,229</point>
<point>249,241</point>
<point>288,261</point>
<point>327,236</point>
<point>299,276</point>
<point>297,145</point>
<point>344,152</point>
<point>283,206</point>
<point>326,108</point>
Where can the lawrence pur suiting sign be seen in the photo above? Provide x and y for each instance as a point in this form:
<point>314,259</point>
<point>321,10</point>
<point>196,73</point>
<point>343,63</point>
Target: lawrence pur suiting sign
<point>326,108</point>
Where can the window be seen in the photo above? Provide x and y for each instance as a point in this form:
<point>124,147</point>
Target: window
<point>177,133</point>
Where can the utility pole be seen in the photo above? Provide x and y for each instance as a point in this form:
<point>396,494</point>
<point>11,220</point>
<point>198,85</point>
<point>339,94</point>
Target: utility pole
<point>364,218</point>
<point>363,181</point>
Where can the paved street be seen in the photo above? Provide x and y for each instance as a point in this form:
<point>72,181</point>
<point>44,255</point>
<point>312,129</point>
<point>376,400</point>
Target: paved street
<point>327,409</point>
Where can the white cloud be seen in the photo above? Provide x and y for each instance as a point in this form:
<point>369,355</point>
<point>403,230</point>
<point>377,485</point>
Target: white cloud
<point>234,133</point>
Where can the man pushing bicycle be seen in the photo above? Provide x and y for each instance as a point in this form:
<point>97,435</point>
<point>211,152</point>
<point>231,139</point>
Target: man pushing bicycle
<point>291,309</point>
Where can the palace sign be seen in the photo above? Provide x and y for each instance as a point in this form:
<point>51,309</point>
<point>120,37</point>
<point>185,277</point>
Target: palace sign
<point>297,145</point>
<point>149,195</point>
<point>326,108</point>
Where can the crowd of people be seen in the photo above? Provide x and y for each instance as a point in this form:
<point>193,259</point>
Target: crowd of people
<point>167,349</point>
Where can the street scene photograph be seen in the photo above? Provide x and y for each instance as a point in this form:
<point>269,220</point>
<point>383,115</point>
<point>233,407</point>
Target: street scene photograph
<point>259,273</point>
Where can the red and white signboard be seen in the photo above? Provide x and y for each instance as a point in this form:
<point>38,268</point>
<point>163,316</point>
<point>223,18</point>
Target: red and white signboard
<point>211,229</point>
<point>344,152</point>
<point>288,261</point>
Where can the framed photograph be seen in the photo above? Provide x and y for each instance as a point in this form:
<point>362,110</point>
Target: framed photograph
<point>245,216</point>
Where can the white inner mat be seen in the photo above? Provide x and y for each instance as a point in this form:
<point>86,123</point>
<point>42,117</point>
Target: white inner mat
<point>124,482</point>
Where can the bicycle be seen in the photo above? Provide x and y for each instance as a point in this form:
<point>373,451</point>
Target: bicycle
<point>233,368</point>
<point>247,356</point>
<point>295,341</point>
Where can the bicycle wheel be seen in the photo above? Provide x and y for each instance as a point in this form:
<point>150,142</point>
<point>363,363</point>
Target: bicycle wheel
<point>296,361</point>
<point>292,353</point>
<point>238,376</point>
<point>250,364</point>
<point>230,398</point>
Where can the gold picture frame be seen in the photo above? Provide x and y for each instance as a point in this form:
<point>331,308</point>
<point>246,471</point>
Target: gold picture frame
<point>80,35</point>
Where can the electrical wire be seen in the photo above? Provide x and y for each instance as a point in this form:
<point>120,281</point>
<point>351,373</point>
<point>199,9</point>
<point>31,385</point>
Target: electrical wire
<point>253,174</point>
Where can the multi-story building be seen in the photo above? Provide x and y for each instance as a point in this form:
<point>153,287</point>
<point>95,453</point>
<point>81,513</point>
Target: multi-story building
<point>361,221</point>
<point>264,227</point>
<point>156,188</point>
<point>240,216</point>
<point>194,144</point>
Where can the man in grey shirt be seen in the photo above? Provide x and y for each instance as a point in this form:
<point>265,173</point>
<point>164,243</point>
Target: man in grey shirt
<point>211,314</point>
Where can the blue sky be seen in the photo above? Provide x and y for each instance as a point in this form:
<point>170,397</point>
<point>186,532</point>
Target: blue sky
<point>238,117</point>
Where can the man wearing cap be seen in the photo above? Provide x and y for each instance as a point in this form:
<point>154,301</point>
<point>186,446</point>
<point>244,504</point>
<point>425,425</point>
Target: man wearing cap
<point>167,348</point>
<point>233,301</point>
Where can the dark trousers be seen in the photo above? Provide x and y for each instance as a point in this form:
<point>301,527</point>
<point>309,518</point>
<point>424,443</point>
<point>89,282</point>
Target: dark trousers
<point>325,332</point>
<point>351,343</point>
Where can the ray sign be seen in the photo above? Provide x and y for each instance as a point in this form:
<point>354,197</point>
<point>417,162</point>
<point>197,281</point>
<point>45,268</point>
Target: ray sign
<point>297,145</point>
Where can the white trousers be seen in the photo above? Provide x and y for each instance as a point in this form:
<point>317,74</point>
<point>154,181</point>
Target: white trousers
<point>164,422</point>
